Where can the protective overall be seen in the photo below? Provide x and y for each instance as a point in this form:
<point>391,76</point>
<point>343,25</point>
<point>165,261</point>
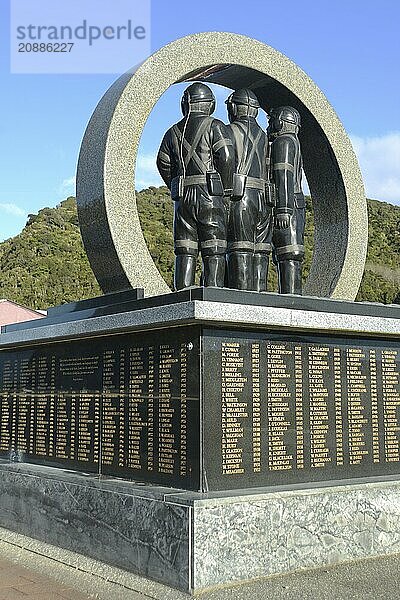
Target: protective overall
<point>250,218</point>
<point>196,161</point>
<point>286,164</point>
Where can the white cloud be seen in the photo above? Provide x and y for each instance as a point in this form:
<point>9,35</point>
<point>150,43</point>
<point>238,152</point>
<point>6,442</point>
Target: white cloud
<point>379,159</point>
<point>67,187</point>
<point>12,209</point>
<point>146,172</point>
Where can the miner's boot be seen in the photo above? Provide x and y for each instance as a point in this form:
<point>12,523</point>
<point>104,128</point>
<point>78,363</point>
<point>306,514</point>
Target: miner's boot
<point>214,270</point>
<point>240,270</point>
<point>260,272</point>
<point>185,269</point>
<point>290,280</point>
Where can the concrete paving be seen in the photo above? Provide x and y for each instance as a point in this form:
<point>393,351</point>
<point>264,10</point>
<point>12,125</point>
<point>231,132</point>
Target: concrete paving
<point>372,579</point>
<point>18,583</point>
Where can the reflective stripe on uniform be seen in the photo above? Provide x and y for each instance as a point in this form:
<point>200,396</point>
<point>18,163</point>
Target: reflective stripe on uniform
<point>241,246</point>
<point>221,143</point>
<point>212,243</point>
<point>164,156</point>
<point>255,183</point>
<point>194,180</point>
<point>262,247</point>
<point>186,244</point>
<point>283,166</point>
<point>289,249</point>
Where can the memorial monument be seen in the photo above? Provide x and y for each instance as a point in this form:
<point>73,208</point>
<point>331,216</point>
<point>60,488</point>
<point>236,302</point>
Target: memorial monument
<point>171,434</point>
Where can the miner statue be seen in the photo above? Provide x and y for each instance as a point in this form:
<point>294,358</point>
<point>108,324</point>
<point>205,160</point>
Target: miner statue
<point>250,220</point>
<point>286,168</point>
<point>196,162</point>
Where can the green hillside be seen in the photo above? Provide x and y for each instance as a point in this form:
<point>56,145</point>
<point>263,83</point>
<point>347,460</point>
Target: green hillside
<point>381,280</point>
<point>46,264</point>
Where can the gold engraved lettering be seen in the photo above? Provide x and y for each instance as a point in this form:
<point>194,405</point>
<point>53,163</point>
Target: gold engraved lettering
<point>234,411</point>
<point>279,401</point>
<point>356,364</point>
<point>391,404</point>
<point>318,368</point>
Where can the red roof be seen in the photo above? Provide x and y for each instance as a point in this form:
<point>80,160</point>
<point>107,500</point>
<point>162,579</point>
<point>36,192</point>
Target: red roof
<point>11,312</point>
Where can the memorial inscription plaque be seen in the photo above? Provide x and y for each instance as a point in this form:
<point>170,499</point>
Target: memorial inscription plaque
<point>206,409</point>
<point>118,406</point>
<point>287,409</point>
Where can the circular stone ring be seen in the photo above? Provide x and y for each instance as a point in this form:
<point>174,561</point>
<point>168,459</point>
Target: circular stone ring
<point>107,209</point>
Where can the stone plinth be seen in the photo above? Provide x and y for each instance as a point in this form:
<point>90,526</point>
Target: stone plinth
<point>256,434</point>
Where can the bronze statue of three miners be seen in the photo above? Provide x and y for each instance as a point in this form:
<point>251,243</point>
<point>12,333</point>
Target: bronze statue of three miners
<point>237,193</point>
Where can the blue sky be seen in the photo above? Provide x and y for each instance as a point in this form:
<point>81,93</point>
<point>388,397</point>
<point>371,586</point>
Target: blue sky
<point>351,49</point>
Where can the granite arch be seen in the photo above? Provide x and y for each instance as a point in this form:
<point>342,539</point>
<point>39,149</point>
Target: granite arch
<point>107,210</point>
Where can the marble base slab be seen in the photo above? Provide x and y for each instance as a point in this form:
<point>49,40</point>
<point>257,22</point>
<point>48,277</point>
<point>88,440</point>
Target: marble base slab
<point>132,527</point>
<point>194,541</point>
<point>270,534</point>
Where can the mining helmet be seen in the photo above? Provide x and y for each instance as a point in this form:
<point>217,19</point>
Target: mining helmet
<point>242,97</point>
<point>285,114</point>
<point>245,97</point>
<point>197,92</point>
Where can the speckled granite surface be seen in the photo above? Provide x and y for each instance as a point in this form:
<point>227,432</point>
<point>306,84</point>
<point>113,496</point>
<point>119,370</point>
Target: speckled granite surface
<point>210,313</point>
